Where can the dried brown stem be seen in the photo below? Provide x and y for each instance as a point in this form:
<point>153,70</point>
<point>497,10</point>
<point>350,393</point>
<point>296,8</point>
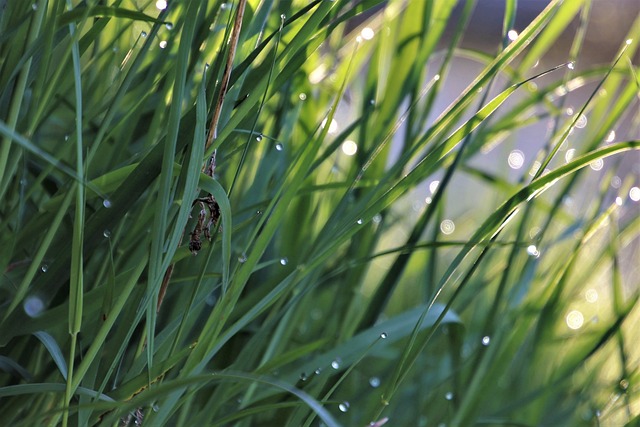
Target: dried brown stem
<point>226,76</point>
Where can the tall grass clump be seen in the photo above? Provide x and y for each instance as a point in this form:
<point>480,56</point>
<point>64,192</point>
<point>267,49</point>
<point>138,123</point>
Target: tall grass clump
<point>274,213</point>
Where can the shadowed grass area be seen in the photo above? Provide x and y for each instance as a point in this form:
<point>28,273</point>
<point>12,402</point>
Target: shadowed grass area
<point>260,213</point>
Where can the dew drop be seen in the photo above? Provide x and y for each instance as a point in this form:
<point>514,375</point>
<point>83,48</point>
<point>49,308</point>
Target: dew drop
<point>571,65</point>
<point>66,137</point>
<point>224,6</point>
<point>616,181</point>
<point>34,6</point>
<point>161,4</point>
<point>569,155</point>
<point>611,136</point>
<point>634,194</point>
<point>106,203</point>
<point>335,364</point>
<point>377,219</point>
<point>242,258</point>
<point>163,44</point>
<point>448,395</point>
<point>516,159</point>
<point>259,137</point>
<point>143,34</point>
<point>372,102</point>
<point>44,268</point>
<point>169,26</point>
<point>279,146</point>
<point>629,41</point>
<point>574,319</point>
<point>106,233</point>
<point>624,384</point>
<point>433,186</point>
<point>283,16</point>
<point>33,306</point>
<point>349,147</point>
<point>533,251</point>
<point>304,376</point>
<point>367,33</point>
<point>344,406</point>
<point>155,408</point>
<point>512,35</point>
<point>486,340</point>
<point>619,201</point>
<point>284,261</point>
<point>318,371</point>
<point>374,382</point>
<point>597,164</point>
<point>447,226</point>
<point>359,221</point>
<point>24,182</point>
<point>302,96</point>
<point>384,335</point>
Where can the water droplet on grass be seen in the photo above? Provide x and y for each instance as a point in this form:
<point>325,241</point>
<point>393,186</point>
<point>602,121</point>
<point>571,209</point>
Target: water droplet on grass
<point>349,147</point>
<point>143,34</point>
<point>344,406</point>
<point>259,137</point>
<point>44,268</point>
<point>448,395</point>
<point>284,261</point>
<point>106,233</point>
<point>512,35</point>
<point>367,33</point>
<point>335,364</point>
<point>433,186</point>
<point>624,384</point>
<point>242,258</point>
<point>303,376</point>
<point>384,335</point>
<point>571,65</point>
<point>302,96</point>
<point>634,194</point>
<point>169,26</point>
<point>515,159</point>
<point>106,203</point>
<point>33,306</point>
<point>163,44</point>
<point>486,340</point>
<point>597,164</point>
<point>359,221</point>
<point>283,16</point>
<point>581,122</point>
<point>318,371</point>
<point>533,251</point>
<point>447,226</point>
<point>279,146</point>
<point>34,6</point>
<point>161,4</point>
<point>377,219</point>
<point>374,382</point>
